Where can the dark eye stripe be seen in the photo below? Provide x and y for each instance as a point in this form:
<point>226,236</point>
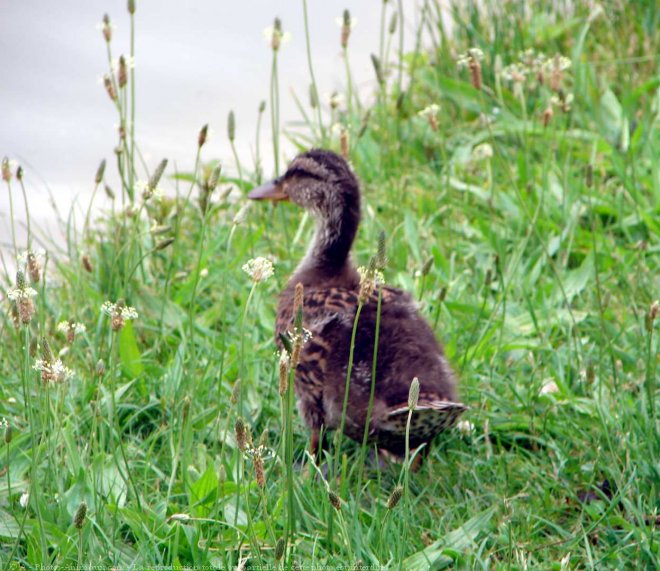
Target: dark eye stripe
<point>301,172</point>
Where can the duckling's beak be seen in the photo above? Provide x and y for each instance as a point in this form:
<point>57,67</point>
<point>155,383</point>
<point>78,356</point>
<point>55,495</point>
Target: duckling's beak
<point>269,191</point>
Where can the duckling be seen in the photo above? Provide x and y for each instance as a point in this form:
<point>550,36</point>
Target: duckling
<point>322,182</point>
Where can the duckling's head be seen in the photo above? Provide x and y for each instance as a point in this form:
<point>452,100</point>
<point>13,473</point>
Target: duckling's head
<point>320,181</point>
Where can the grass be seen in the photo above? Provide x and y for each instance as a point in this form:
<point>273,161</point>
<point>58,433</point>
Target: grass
<point>531,239</point>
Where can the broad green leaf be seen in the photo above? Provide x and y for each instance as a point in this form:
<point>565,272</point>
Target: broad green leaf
<point>204,490</point>
<point>129,353</point>
<point>577,279</point>
<point>612,120</point>
<point>434,557</point>
<point>10,528</point>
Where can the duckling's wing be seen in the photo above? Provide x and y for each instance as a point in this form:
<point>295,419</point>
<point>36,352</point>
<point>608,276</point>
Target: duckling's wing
<point>429,418</point>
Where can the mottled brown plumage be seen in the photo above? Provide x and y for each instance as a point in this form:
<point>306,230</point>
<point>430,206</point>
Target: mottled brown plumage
<point>322,182</point>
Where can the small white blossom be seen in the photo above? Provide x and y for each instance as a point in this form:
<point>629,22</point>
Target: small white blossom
<point>261,451</point>
<point>21,292</point>
<point>24,499</point>
<point>515,72</point>
<point>4,423</point>
<point>284,356</point>
<point>305,335</point>
<point>374,275</point>
<point>430,110</point>
<point>336,129</point>
<point>103,25</point>
<point>148,192</point>
<point>482,152</point>
<point>470,56</point>
<point>70,329</point>
<point>259,269</point>
<point>370,279</point>
<point>129,60</point>
<point>24,257</point>
<point>563,102</point>
<point>10,164</point>
<point>67,326</point>
<point>532,60</point>
<point>276,37</point>
<point>430,113</point>
<point>465,427</point>
<point>52,371</point>
<point>339,20</point>
<point>336,99</point>
<point>119,313</point>
<point>32,260</point>
<point>556,63</point>
<point>126,312</point>
<point>549,388</point>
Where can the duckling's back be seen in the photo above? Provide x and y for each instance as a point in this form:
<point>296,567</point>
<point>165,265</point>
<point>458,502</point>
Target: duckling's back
<point>407,348</point>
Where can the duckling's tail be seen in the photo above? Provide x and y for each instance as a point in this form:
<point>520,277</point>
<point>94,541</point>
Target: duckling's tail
<point>430,417</point>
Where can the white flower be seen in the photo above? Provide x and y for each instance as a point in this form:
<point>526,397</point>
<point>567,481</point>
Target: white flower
<point>556,63</point>
<point>129,60</point>
<point>471,56</point>
<point>261,451</point>
<point>11,164</point>
<point>549,388</point>
<point>21,292</point>
<point>305,335</point>
<point>276,37</point>
<point>562,101</point>
<point>4,423</point>
<point>259,269</point>
<point>103,26</point>
<point>514,72</point>
<point>203,272</point>
<point>370,279</point>
<point>376,276</point>
<point>70,326</point>
<point>24,499</point>
<point>482,152</point>
<point>147,192</point>
<point>70,329</point>
<point>336,129</point>
<point>113,309</point>
<point>336,99</point>
<point>430,111</point>
<point>339,20</point>
<point>119,313</point>
<point>532,60</point>
<point>24,257</point>
<point>52,371</point>
<point>465,427</point>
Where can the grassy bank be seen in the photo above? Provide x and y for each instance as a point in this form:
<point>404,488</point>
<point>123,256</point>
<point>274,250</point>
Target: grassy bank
<point>519,194</point>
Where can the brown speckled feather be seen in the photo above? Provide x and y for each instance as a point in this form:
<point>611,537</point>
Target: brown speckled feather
<point>407,349</point>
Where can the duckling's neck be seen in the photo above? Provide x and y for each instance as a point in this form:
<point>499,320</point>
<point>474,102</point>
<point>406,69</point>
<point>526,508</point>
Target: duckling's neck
<point>327,259</point>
